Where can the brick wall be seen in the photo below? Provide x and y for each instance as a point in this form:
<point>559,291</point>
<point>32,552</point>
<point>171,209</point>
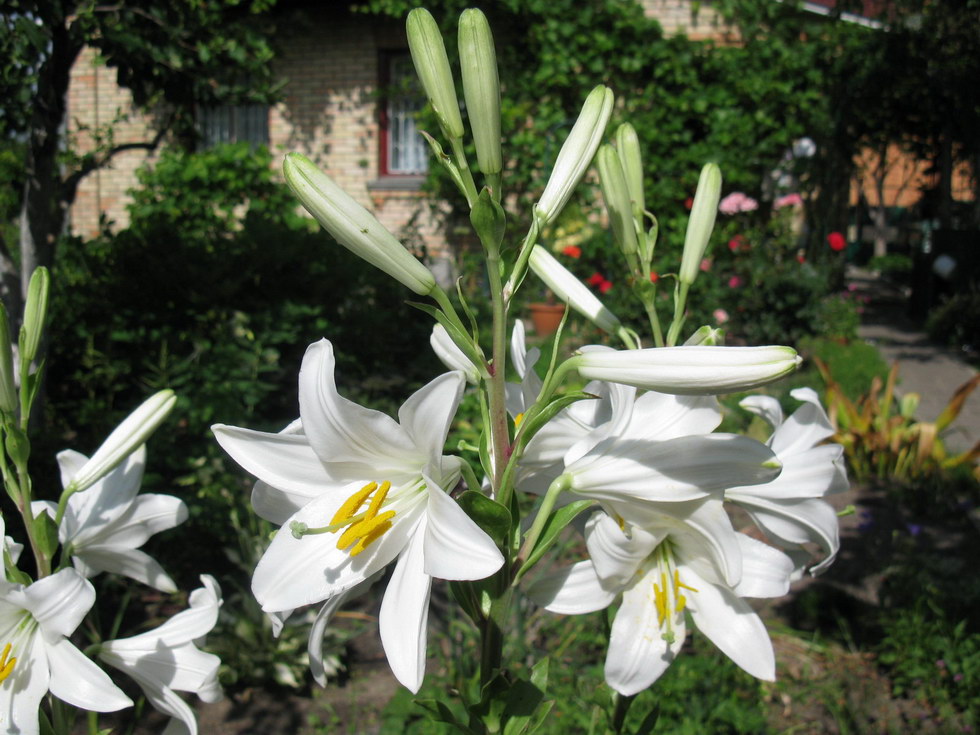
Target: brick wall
<point>696,20</point>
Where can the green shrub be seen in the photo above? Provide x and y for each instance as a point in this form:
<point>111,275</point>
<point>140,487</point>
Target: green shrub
<point>956,321</point>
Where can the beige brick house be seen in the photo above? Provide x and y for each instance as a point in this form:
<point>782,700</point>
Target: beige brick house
<point>331,112</point>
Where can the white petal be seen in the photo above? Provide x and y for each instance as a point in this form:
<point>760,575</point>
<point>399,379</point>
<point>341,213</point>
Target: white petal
<point>428,412</point>
<point>765,406</point>
<point>572,591</point>
<point>811,474</point>
<point>730,624</point>
<point>165,700</point>
<point>127,562</point>
<point>146,515</point>
<point>60,602</point>
<point>275,505</point>
<point>798,522</point>
<point>105,501</point>
<point>314,646</point>
<point>363,441</point>
<point>79,681</point>
<point>616,556</point>
<point>766,571</point>
<point>454,546</point>
<point>450,355</point>
<point>22,692</point>
<point>404,616</point>
<point>284,461</point>
<point>661,416</point>
<point>805,428</point>
<point>70,462</point>
<point>638,654</point>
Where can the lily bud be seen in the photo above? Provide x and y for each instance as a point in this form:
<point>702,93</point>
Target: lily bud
<point>35,313</point>
<point>615,192</point>
<point>8,390</point>
<point>353,226</point>
<point>576,153</point>
<point>571,290</point>
<point>628,147</point>
<point>432,66</point>
<point>688,370</point>
<point>124,439</point>
<point>481,88</point>
<point>701,222</point>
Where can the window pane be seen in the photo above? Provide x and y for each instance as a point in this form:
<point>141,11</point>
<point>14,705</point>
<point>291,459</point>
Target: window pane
<point>406,147</point>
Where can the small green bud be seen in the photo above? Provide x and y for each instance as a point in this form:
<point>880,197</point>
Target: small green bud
<point>701,222</point>
<point>481,88</point>
<point>35,313</point>
<point>612,180</point>
<point>432,66</point>
<point>8,390</point>
<point>628,147</point>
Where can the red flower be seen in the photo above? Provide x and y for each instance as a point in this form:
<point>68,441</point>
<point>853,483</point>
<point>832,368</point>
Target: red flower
<point>737,243</point>
<point>734,282</point>
<point>689,202</point>
<point>800,258</point>
<point>605,286</point>
<point>595,279</point>
<point>836,241</point>
<point>654,276</point>
<point>572,251</point>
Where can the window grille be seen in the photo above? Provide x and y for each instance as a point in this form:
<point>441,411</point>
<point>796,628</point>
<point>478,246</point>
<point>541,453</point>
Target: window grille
<point>233,124</point>
<point>404,147</point>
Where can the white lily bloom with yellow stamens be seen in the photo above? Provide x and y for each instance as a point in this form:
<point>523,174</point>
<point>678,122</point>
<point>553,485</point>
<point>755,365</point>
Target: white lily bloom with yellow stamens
<point>166,660</point>
<point>790,509</point>
<point>37,657</point>
<point>661,572</point>
<point>356,490</point>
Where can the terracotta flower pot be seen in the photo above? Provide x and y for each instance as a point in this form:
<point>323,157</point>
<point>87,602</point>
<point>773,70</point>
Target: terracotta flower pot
<point>546,317</point>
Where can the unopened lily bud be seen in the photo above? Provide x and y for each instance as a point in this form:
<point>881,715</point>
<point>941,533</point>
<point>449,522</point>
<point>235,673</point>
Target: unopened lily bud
<point>481,88</point>
<point>615,192</point>
<point>628,147</point>
<point>353,226</point>
<point>576,153</point>
<point>35,314</point>
<point>701,222</point>
<point>8,390</point>
<point>571,290</point>
<point>124,439</point>
<point>688,370</point>
<point>706,335</point>
<point>432,66</point>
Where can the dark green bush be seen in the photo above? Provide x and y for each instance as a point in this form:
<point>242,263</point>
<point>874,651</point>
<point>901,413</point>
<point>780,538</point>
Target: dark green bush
<point>956,321</point>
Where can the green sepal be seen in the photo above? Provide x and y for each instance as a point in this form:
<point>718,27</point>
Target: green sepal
<point>552,527</point>
<point>488,514</point>
<point>440,712</point>
<point>489,221</point>
<point>45,534</point>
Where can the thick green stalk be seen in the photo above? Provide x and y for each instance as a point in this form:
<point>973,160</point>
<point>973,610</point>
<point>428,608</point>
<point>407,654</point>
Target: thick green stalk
<point>469,187</point>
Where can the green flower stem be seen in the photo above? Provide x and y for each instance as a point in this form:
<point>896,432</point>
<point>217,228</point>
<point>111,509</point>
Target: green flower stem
<point>520,267</point>
<point>680,302</point>
<point>651,308</point>
<point>493,183</point>
<point>469,187</point>
<point>556,488</point>
<point>496,389</point>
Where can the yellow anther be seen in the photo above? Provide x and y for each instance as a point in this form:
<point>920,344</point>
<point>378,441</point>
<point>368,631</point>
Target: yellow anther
<point>660,602</point>
<point>365,531</point>
<point>518,419</point>
<point>353,504</point>
<point>6,667</point>
<point>681,603</point>
<point>681,585</point>
<point>377,500</point>
<point>622,522</point>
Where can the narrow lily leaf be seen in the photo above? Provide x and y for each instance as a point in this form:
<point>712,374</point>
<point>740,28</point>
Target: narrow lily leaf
<point>523,700</point>
<point>549,534</point>
<point>8,391</point>
<point>459,338</point>
<point>441,713</point>
<point>447,162</point>
<point>955,405</point>
<point>488,514</point>
<point>536,422</point>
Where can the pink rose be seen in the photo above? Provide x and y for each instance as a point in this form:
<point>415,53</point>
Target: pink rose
<point>790,200</point>
<point>720,315</point>
<point>737,202</point>
<point>734,282</point>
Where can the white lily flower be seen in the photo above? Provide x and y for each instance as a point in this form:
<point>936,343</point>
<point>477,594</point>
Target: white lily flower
<point>166,659</point>
<point>571,290</point>
<point>451,356</point>
<point>661,571</point>
<point>576,153</point>
<point>688,370</point>
<point>358,490</point>
<point>10,547</point>
<point>104,526</point>
<point>521,396</point>
<point>37,657</point>
<point>353,226</point>
<point>131,433</point>
<point>789,509</point>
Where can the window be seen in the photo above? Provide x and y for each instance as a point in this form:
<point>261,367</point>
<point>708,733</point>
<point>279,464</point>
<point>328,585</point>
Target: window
<point>233,124</point>
<point>403,150</point>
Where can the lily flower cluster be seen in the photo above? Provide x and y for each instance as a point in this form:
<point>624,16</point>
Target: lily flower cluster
<point>355,491</point>
<point>100,521</point>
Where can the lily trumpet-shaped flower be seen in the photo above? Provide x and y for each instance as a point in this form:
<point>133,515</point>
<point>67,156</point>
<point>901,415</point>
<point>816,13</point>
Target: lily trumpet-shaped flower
<point>789,509</point>
<point>104,526</point>
<point>662,571</point>
<point>166,659</point>
<point>357,490</point>
<point>688,370</point>
<point>37,657</point>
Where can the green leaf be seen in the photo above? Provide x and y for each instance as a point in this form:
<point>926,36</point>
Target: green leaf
<point>553,526</point>
<point>441,713</point>
<point>45,534</point>
<point>488,514</point>
<point>536,421</point>
<point>489,221</point>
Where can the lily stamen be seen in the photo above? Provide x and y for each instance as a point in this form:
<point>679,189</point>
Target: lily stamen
<point>6,667</point>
